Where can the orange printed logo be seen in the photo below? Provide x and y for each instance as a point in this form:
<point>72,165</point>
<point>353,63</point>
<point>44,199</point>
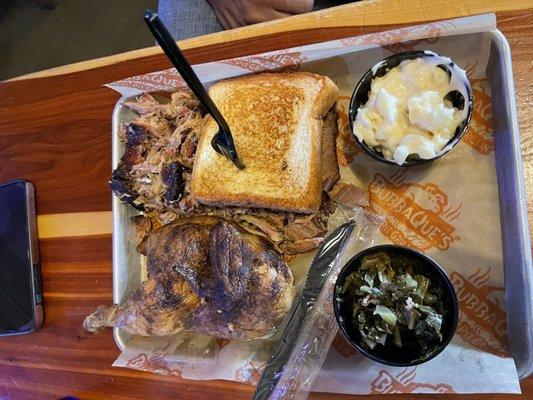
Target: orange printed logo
<point>479,135</point>
<point>410,45</point>
<point>392,39</point>
<point>470,69</point>
<point>167,80</point>
<point>403,382</point>
<point>482,321</point>
<point>346,146</point>
<point>416,215</point>
<point>279,60</point>
<point>155,363</point>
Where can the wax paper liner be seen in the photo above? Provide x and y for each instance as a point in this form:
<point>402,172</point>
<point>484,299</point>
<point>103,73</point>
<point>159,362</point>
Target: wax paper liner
<point>306,354</point>
<point>291,59</point>
<point>447,209</point>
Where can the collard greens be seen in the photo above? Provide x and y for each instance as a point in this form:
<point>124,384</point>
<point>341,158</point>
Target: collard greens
<point>391,304</point>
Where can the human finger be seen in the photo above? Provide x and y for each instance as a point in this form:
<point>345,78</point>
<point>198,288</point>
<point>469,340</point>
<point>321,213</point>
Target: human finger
<point>293,6</point>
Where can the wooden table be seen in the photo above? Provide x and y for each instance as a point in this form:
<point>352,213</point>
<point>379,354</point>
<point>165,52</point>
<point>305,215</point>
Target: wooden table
<point>55,131</point>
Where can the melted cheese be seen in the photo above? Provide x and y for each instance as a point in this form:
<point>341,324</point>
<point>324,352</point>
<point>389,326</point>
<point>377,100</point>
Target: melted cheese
<point>406,112</point>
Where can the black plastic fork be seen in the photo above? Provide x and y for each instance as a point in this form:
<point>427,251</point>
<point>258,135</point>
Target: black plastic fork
<point>222,141</point>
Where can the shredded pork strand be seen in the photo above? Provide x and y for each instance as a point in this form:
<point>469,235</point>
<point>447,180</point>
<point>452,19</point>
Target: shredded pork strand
<point>164,136</point>
<point>155,172</point>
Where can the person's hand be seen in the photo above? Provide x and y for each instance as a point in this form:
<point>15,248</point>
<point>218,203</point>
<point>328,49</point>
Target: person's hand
<point>235,13</point>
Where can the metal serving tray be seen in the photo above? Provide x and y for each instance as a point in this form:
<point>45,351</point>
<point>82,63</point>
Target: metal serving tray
<point>128,265</point>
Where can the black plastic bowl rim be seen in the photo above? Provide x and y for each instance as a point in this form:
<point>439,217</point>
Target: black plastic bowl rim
<point>360,97</point>
<point>434,269</point>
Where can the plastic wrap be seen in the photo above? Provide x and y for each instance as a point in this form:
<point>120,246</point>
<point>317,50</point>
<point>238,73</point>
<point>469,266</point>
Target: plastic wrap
<point>305,341</point>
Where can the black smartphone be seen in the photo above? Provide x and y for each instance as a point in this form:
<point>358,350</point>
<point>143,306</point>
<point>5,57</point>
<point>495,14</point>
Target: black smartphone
<point>21,309</point>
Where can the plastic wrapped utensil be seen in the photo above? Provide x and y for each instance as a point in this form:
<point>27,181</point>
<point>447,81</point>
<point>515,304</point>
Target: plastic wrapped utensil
<point>305,342</point>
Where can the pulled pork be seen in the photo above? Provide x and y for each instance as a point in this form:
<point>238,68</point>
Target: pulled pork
<point>349,195</point>
<point>155,171</point>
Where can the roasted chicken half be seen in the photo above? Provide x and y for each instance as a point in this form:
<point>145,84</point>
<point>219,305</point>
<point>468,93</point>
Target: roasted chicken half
<point>207,275</point>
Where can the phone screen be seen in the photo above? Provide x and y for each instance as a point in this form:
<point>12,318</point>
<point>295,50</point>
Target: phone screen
<point>16,290</point>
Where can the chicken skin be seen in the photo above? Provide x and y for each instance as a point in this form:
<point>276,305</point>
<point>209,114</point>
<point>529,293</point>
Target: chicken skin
<point>206,275</point>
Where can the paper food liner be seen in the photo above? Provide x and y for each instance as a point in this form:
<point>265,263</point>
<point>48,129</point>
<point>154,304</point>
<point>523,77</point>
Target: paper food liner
<point>448,209</point>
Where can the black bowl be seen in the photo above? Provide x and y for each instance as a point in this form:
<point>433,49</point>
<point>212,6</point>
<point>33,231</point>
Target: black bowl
<point>409,354</point>
<point>360,97</point>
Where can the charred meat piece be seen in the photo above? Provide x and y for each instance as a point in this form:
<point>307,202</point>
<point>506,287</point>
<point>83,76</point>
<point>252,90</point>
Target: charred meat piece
<point>136,135</point>
<point>264,226</point>
<point>206,275</point>
<point>301,246</point>
<point>122,183</point>
<point>188,149</point>
<point>188,205</point>
<point>304,233</point>
<point>171,176</point>
<point>349,195</point>
<point>160,146</point>
<point>329,163</point>
<point>277,220</point>
<point>306,227</point>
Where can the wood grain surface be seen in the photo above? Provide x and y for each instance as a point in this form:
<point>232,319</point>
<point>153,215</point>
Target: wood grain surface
<point>361,14</point>
<point>55,131</point>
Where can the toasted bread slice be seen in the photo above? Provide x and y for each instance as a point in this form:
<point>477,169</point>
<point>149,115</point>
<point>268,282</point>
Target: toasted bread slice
<point>276,122</point>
